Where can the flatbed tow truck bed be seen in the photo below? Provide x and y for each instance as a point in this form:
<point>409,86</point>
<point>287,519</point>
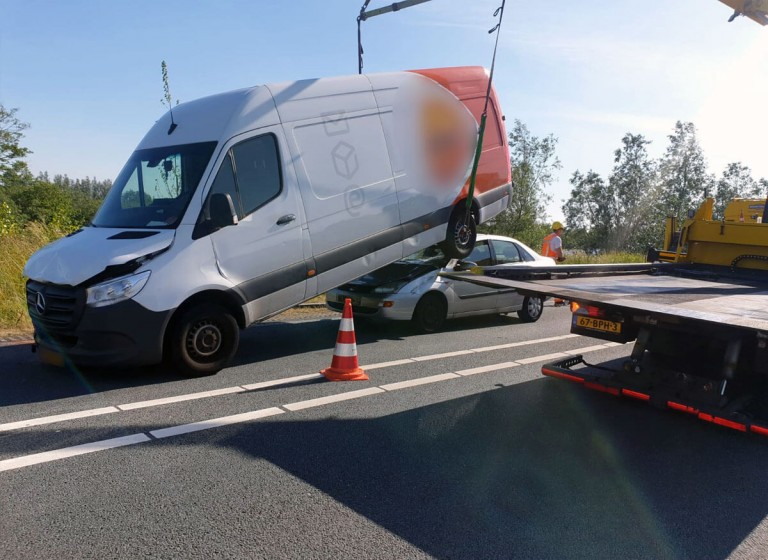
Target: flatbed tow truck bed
<point>700,332</point>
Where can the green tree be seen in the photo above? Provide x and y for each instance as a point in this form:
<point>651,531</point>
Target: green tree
<point>588,211</point>
<point>45,203</point>
<point>634,217</point>
<point>534,163</point>
<point>13,168</point>
<point>735,182</point>
<point>683,172</point>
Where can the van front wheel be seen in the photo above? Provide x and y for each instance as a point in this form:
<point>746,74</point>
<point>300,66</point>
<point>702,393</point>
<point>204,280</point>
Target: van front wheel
<point>204,340</point>
<point>461,234</point>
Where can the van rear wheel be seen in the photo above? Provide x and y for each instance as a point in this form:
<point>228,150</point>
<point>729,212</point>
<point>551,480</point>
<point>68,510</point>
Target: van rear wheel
<point>203,341</point>
<point>461,234</point>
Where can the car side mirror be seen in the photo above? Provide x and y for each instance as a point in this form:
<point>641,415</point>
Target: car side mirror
<point>462,266</point>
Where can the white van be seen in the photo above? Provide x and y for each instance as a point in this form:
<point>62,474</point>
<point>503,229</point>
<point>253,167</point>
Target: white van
<point>237,206</point>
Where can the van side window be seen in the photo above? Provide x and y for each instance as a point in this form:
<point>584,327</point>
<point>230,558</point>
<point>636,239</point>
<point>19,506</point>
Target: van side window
<point>225,183</point>
<point>257,171</point>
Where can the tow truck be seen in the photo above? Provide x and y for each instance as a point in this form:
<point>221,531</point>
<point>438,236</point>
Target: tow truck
<point>697,312</point>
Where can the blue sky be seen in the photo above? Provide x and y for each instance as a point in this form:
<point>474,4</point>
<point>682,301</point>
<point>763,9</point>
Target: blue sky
<point>86,74</point>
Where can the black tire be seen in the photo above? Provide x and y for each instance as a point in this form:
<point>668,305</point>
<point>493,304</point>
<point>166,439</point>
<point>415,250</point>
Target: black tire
<point>203,340</point>
<point>430,313</point>
<point>533,306</point>
<point>461,234</point>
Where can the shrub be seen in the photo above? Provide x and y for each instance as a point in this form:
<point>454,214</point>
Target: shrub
<point>17,247</point>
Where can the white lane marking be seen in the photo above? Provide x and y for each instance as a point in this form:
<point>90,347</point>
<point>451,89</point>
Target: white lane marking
<point>544,358</point>
<point>418,381</point>
<point>56,454</point>
<point>591,348</point>
<point>440,356</point>
<point>526,343</point>
<point>215,423</point>
<point>470,351</point>
<point>282,381</point>
<point>181,398</point>
<point>388,364</point>
<point>486,369</point>
<point>57,418</point>
<point>237,389</point>
<point>301,405</point>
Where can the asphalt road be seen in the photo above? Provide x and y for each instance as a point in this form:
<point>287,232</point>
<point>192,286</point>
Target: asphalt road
<point>455,448</point>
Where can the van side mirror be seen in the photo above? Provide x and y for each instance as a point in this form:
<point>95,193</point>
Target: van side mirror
<point>220,212</point>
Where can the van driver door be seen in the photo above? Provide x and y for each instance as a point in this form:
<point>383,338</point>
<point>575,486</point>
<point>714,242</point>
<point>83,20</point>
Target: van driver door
<point>263,254</point>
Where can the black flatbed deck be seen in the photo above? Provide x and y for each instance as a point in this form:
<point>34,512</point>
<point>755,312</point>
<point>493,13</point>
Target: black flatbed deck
<point>716,295</point>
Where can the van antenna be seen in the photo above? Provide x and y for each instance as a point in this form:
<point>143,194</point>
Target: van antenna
<point>396,7</point>
<point>167,96</point>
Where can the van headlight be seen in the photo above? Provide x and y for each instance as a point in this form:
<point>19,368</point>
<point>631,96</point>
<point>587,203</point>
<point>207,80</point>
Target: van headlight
<point>114,291</point>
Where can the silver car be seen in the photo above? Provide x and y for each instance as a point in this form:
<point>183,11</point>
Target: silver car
<point>411,290</point>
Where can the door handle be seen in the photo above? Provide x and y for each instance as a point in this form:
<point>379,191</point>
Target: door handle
<point>287,219</point>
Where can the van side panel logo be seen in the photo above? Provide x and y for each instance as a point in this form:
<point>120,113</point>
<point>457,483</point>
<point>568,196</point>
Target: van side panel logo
<point>40,303</point>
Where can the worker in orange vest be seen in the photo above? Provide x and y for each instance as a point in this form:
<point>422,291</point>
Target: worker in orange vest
<point>553,247</point>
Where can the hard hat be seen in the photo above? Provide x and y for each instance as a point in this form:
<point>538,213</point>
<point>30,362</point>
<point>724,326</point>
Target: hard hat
<point>557,225</point>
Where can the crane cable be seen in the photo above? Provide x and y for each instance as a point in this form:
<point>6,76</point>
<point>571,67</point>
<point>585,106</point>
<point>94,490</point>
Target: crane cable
<point>360,19</point>
<point>481,132</point>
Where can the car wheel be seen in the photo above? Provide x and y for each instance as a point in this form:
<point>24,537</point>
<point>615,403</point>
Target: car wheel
<point>532,309</point>
<point>461,234</point>
<point>203,341</point>
<point>430,313</point>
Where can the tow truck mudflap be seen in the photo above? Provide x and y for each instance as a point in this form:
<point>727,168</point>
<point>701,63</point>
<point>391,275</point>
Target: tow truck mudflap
<point>604,380</point>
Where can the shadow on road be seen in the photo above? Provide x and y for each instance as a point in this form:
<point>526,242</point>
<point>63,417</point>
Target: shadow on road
<point>541,469</point>
<point>535,470</point>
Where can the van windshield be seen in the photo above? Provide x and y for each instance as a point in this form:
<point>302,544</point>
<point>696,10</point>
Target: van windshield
<point>154,187</point>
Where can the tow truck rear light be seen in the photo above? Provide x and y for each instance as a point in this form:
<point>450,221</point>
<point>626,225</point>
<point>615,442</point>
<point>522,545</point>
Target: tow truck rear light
<point>590,310</point>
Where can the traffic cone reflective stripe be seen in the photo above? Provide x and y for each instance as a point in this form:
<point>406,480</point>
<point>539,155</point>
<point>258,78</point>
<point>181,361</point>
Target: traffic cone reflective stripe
<point>344,365</point>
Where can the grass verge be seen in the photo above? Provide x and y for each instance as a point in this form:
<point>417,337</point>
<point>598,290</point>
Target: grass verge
<point>15,249</point>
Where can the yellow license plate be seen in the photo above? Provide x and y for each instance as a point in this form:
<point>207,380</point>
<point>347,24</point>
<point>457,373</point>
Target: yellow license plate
<point>595,324</point>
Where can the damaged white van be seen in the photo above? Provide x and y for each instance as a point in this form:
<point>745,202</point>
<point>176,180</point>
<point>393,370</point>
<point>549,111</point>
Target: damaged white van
<point>237,206</point>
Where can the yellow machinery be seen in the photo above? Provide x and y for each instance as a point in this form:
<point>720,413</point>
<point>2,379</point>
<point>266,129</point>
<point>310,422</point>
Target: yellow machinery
<point>739,240</point>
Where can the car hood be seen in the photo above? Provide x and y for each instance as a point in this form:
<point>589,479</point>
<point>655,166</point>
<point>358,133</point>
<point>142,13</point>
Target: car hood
<point>82,255</point>
<point>396,272</point>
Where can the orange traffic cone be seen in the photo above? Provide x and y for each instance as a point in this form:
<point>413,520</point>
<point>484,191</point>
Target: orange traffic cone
<point>344,364</point>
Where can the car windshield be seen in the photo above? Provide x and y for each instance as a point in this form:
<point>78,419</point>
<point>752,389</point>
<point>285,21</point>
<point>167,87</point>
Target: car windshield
<point>432,255</point>
<point>154,187</point>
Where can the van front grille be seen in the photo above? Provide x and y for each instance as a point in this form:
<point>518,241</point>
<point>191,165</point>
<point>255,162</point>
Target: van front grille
<point>52,306</point>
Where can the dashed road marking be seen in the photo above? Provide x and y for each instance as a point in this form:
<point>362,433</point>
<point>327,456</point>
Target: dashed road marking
<point>73,451</point>
<point>57,418</point>
<point>301,405</point>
